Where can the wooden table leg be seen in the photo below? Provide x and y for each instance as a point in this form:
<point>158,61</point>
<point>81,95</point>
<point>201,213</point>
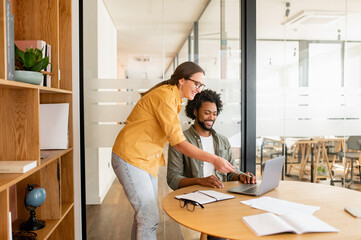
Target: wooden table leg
<point>203,236</point>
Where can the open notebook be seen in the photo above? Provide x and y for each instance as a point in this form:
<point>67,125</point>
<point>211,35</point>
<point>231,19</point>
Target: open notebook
<point>269,223</point>
<point>205,196</point>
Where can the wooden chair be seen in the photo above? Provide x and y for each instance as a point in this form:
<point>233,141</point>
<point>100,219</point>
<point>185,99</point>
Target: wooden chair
<point>351,157</point>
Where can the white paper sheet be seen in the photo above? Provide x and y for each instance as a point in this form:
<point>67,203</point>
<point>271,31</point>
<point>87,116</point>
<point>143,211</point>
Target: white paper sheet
<point>54,120</point>
<point>280,207</point>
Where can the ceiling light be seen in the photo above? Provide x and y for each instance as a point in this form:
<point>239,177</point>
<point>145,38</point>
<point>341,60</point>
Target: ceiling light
<point>314,17</point>
<point>143,58</point>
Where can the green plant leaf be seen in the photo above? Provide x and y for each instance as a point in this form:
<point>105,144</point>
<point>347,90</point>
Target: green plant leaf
<point>30,60</point>
<point>40,65</point>
<point>19,55</point>
<point>39,54</point>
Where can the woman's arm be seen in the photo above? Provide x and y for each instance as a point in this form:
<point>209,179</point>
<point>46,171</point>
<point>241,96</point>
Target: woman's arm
<point>192,151</point>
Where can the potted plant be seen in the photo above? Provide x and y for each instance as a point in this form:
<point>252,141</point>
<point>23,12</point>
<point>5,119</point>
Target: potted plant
<point>28,65</point>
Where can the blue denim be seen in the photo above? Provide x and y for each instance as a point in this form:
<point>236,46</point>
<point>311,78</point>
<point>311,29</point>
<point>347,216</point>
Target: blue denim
<point>141,189</point>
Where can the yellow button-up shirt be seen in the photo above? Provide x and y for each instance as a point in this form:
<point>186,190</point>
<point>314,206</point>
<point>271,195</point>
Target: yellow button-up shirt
<point>153,122</point>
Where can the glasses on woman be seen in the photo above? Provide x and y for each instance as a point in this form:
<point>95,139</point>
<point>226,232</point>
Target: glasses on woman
<point>189,204</point>
<point>198,85</point>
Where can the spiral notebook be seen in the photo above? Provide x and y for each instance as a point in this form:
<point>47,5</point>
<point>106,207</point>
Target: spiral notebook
<point>205,196</point>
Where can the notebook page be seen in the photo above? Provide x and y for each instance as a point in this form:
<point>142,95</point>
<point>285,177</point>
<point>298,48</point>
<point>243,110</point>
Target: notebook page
<point>303,223</point>
<point>217,195</point>
<point>267,224</point>
<point>197,197</point>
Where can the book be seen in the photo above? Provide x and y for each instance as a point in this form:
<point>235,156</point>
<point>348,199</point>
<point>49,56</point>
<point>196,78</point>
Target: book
<point>46,77</point>
<point>16,166</point>
<point>13,199</point>
<point>354,211</point>
<point>205,196</point>
<point>269,223</point>
<point>10,42</point>
<point>54,120</point>
<point>24,44</point>
<point>10,227</point>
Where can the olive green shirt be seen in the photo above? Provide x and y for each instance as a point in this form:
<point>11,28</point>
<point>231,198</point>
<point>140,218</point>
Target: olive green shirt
<point>181,166</point>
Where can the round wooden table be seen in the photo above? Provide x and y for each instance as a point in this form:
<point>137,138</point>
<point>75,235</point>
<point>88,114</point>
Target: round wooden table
<point>224,218</point>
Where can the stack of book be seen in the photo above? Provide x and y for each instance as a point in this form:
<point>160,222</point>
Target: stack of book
<point>17,166</point>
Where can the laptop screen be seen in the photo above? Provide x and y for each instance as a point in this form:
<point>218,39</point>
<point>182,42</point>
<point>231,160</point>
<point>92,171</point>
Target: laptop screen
<point>272,174</point>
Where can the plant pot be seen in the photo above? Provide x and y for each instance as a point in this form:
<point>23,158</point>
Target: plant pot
<point>28,77</point>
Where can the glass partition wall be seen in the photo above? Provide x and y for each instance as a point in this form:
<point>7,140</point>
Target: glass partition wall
<point>115,72</point>
<point>214,42</point>
<point>309,85</point>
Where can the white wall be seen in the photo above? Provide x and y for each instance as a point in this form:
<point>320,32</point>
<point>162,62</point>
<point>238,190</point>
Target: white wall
<point>100,62</point>
<point>107,44</point>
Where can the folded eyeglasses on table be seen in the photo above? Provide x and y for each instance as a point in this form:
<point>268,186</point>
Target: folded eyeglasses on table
<point>189,204</point>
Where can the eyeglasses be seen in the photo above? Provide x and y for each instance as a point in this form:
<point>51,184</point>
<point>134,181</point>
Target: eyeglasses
<point>189,204</point>
<point>198,85</point>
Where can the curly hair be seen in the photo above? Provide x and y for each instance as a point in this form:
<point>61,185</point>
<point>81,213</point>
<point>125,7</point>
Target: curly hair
<point>204,96</point>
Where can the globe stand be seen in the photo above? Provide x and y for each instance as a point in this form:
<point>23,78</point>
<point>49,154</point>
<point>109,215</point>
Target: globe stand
<point>33,223</point>
<point>34,197</point>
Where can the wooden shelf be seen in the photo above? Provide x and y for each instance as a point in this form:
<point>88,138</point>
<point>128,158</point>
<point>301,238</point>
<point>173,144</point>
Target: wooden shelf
<point>50,21</point>
<point>9,179</point>
<point>21,85</point>
<point>51,224</point>
<point>52,155</point>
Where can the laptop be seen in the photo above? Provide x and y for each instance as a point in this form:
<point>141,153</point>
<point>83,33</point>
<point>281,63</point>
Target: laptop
<point>270,180</point>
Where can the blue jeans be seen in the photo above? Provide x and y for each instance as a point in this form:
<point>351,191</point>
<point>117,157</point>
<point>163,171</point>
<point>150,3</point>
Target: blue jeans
<point>141,189</point>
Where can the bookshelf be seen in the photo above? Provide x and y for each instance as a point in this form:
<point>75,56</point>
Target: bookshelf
<point>48,20</point>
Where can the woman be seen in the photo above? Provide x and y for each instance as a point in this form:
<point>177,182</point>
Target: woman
<point>138,149</point>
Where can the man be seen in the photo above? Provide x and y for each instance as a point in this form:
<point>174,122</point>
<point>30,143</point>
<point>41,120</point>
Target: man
<point>185,171</point>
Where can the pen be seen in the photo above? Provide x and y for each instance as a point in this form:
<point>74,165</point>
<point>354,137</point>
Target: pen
<point>242,173</point>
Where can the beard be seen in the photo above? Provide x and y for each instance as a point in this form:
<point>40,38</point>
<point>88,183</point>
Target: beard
<point>203,126</point>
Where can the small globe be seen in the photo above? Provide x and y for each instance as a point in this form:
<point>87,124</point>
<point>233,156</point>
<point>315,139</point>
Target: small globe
<point>35,197</point>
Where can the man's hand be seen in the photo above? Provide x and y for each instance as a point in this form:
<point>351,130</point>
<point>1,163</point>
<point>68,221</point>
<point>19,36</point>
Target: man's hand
<point>211,181</point>
<point>223,166</point>
<point>244,179</point>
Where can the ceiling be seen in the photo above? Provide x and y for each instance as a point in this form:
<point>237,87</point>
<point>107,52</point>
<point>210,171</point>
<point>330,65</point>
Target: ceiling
<point>146,35</point>
<point>151,32</point>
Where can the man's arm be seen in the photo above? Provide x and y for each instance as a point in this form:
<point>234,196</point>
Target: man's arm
<point>175,168</point>
<point>176,176</point>
<point>210,181</point>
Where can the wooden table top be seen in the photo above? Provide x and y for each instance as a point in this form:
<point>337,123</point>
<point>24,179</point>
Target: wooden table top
<point>224,218</point>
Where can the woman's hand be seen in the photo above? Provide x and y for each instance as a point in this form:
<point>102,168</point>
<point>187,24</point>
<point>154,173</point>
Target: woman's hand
<point>223,166</point>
